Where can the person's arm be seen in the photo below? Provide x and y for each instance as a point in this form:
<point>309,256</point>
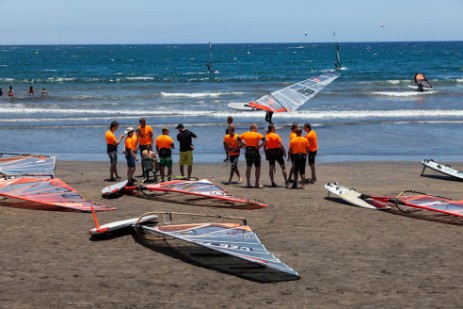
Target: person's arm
<point>120,139</point>
<point>263,140</point>
<point>133,154</point>
<point>283,148</point>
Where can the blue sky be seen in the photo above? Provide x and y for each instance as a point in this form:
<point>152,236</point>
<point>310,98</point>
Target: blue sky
<point>233,21</point>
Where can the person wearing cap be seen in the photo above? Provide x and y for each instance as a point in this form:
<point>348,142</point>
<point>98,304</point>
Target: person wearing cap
<point>111,148</point>
<point>164,146</point>
<point>130,155</point>
<point>253,141</point>
<point>184,137</point>
<point>145,137</point>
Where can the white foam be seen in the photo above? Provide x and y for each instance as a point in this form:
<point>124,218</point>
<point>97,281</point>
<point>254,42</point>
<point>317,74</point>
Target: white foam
<point>197,94</point>
<point>402,93</point>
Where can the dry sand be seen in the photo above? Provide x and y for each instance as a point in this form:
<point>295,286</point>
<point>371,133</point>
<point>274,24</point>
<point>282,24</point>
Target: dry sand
<point>346,256</point>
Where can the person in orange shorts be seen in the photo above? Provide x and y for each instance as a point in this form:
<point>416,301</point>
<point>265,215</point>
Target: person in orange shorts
<point>298,148</point>
<point>111,148</point>
<point>275,151</point>
<point>232,147</point>
<point>251,142</point>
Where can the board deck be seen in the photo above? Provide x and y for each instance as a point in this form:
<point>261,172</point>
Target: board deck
<point>353,197</point>
<point>114,189</point>
<point>241,106</point>
<point>441,168</point>
<point>120,225</point>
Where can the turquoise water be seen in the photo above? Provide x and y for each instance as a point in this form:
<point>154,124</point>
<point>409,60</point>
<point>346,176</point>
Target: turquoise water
<point>369,113</point>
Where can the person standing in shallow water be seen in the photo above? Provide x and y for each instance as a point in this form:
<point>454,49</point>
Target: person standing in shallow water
<point>10,91</point>
<point>111,144</point>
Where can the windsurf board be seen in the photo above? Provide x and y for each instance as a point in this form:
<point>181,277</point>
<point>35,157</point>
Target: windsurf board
<point>354,197</point>
<point>114,189</point>
<point>442,168</point>
<point>241,106</point>
<point>119,226</point>
<point>424,89</point>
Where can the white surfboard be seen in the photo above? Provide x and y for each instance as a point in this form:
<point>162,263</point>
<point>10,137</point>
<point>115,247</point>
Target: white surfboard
<point>113,189</point>
<point>241,106</point>
<point>442,168</point>
<point>424,89</point>
<point>352,196</point>
<point>118,226</point>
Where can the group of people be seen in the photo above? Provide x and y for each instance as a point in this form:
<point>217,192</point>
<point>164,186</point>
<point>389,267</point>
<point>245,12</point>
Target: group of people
<point>30,91</point>
<point>141,141</point>
<point>301,149</point>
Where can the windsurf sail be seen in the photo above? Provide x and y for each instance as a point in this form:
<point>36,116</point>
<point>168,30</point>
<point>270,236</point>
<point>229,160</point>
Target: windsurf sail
<point>291,98</point>
<point>47,194</point>
<point>27,165</point>
<point>422,82</point>
<point>203,188</point>
<point>231,247</point>
<point>419,200</point>
<point>210,66</point>
<point>337,63</point>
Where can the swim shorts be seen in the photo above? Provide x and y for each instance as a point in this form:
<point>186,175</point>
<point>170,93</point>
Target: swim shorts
<point>275,154</point>
<point>252,156</point>
<point>113,157</point>
<point>167,161</point>
<point>312,155</point>
<point>186,158</point>
<point>130,160</point>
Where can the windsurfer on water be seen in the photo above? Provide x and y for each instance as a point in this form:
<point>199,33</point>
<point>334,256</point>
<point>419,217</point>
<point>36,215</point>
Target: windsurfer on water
<point>268,117</point>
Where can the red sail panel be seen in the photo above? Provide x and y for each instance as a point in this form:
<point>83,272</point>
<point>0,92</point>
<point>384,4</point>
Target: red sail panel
<point>48,194</point>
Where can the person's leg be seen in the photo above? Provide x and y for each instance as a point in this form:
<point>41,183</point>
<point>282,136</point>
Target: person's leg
<point>190,169</point>
<point>182,171</point>
<point>248,175</point>
<point>257,173</point>
<point>271,173</point>
<point>283,171</point>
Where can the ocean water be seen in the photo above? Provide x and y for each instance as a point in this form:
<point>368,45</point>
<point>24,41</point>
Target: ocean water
<point>369,113</point>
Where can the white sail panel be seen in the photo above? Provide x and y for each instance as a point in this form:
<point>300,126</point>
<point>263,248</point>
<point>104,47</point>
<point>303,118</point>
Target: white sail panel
<point>293,97</point>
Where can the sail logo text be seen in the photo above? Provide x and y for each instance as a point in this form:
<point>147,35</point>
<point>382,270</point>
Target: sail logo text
<point>305,91</point>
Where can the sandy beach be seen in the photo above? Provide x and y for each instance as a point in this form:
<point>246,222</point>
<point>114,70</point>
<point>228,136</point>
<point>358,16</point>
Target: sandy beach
<point>346,256</point>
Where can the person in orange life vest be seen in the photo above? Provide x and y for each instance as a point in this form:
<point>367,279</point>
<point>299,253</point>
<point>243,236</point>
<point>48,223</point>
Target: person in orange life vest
<point>292,135</point>
<point>311,137</point>
<point>275,151</point>
<point>145,138</point>
<point>164,146</point>
<point>232,147</point>
<point>251,142</point>
<point>111,148</point>
<point>130,155</point>
<point>299,147</point>
<point>230,122</point>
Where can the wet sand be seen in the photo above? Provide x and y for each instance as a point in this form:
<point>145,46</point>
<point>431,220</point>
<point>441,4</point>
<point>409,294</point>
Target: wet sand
<point>346,256</point>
